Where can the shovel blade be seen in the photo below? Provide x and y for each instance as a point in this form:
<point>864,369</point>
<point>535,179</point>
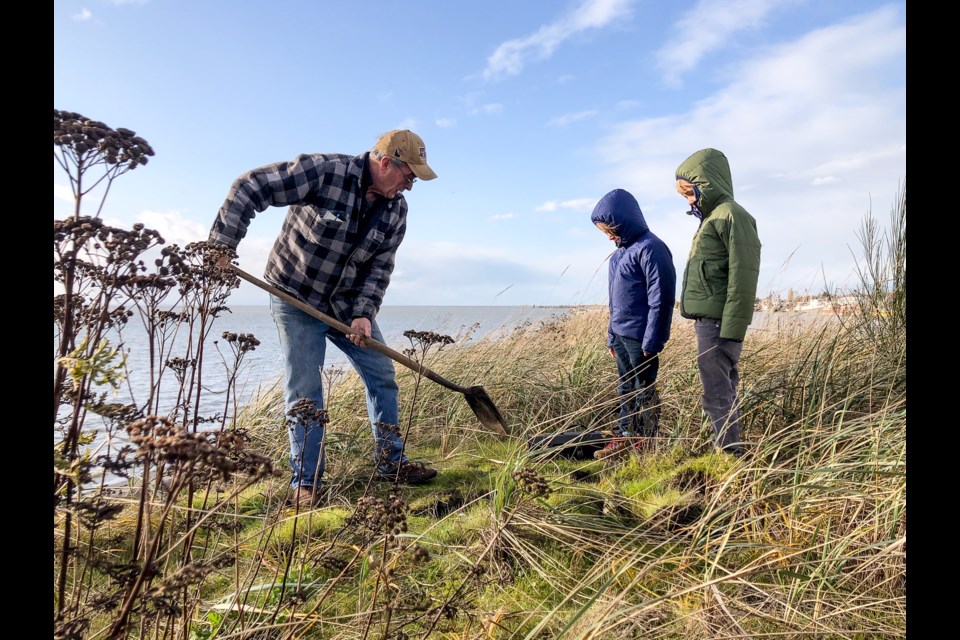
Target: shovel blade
<point>486,412</point>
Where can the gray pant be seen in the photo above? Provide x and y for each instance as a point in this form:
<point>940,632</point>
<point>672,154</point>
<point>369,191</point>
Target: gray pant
<point>717,360</point>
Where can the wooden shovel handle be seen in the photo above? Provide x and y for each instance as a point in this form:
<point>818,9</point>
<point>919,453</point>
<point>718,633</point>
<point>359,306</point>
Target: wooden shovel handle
<point>406,361</point>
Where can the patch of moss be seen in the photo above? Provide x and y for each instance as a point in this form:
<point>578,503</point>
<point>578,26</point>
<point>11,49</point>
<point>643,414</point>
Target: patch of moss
<point>461,528</point>
<point>309,525</point>
<point>574,500</point>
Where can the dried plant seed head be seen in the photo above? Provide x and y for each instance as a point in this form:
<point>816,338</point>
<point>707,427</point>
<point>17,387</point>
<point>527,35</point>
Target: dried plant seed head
<point>95,510</point>
<point>531,482</point>
<point>420,554</point>
<point>207,455</point>
<point>332,563</point>
<point>427,338</point>
<point>106,602</point>
<point>305,412</point>
<point>71,629</point>
<point>92,142</point>
<point>388,427</point>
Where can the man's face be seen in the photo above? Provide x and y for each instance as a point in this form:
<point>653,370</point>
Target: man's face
<point>393,179</point>
<point>404,176</point>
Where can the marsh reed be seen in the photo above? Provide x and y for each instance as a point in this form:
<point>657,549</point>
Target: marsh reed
<point>803,537</point>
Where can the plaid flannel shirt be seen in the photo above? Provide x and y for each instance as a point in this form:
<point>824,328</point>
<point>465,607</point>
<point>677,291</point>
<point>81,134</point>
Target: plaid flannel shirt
<point>321,256</point>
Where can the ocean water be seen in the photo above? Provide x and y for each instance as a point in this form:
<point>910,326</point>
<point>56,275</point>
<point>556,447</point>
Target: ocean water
<point>262,368</point>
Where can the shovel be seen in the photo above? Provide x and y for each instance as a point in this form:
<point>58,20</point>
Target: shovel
<point>476,397</point>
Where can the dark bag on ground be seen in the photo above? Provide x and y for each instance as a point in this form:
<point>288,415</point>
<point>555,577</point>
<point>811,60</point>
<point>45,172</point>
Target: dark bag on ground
<point>576,444</point>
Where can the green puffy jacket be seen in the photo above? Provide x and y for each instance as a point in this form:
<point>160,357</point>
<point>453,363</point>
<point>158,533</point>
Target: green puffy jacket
<point>720,280</point>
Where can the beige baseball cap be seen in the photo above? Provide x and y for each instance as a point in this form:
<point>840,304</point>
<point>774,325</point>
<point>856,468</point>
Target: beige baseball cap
<point>407,146</point>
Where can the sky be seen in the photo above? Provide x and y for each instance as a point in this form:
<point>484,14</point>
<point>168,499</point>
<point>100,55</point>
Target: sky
<point>530,112</point>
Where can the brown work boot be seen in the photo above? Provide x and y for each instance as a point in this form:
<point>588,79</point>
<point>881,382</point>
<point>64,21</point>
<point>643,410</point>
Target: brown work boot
<point>303,498</point>
<point>407,473</point>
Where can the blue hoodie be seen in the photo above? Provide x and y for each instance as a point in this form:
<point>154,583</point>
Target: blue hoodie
<point>642,279</point>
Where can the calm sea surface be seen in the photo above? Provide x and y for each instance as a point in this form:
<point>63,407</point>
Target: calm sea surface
<point>262,368</point>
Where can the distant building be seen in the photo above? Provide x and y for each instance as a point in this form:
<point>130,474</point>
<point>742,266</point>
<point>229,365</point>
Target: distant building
<point>770,303</point>
<point>812,304</point>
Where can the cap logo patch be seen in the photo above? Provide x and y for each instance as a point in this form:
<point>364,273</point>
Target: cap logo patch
<point>423,153</point>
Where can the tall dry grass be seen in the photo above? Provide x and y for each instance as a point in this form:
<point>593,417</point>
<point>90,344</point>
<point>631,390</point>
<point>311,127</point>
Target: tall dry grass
<point>803,537</point>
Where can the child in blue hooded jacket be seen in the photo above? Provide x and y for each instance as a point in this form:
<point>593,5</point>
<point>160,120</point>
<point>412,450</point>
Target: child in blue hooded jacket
<point>642,289</point>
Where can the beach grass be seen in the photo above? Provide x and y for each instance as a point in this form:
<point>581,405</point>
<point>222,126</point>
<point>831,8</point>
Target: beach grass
<point>802,537</point>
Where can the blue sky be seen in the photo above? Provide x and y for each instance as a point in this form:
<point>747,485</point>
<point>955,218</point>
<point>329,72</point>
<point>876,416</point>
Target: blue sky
<point>530,112</point>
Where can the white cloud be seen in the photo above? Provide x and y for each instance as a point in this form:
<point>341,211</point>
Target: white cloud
<point>691,40</point>
<point>470,99</point>
<point>488,109</point>
<point>818,109</point>
<point>445,123</point>
<point>569,118</point>
<point>62,192</point>
<point>174,227</point>
<point>480,274</point>
<point>502,216</point>
<point>408,123</point>
<point>577,204</point>
<point>121,3</point>
<point>564,79</point>
<point>623,105</point>
<point>252,253</point>
<point>83,16</point>
<point>510,57</point>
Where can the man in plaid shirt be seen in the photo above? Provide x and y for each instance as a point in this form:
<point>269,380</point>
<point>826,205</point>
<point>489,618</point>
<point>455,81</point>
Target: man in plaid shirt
<point>346,216</point>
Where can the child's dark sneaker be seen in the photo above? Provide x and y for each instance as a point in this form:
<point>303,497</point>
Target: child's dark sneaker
<point>613,450</point>
<point>619,447</point>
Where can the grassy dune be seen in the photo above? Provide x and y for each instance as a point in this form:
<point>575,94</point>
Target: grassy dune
<point>803,537</point>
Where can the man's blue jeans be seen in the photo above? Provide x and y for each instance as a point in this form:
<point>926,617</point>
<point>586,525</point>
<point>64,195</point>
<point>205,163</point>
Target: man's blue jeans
<point>717,360</point>
<point>637,385</point>
<point>303,340</point>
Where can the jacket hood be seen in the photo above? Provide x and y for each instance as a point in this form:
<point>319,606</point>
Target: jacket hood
<point>709,171</point>
<point>620,209</point>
